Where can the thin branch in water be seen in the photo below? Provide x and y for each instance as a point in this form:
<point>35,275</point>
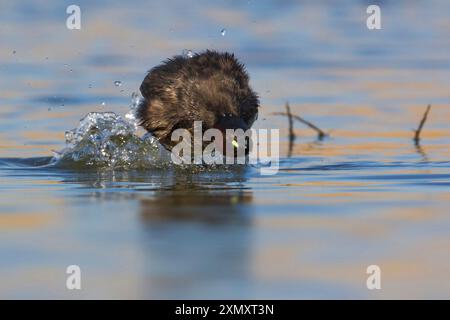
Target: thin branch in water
<point>421,124</point>
<point>320,133</point>
<point>291,122</point>
<point>291,130</point>
<point>422,152</point>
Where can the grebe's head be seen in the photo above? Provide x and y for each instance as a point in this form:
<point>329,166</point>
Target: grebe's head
<point>233,129</point>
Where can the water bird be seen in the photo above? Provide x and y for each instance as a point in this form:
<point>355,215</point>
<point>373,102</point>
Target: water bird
<point>212,87</point>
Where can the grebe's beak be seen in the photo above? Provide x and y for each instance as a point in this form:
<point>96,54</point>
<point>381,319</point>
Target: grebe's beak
<point>231,122</point>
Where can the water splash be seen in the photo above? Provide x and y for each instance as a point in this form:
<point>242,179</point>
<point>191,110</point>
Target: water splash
<point>107,140</point>
<point>187,53</point>
<point>131,115</point>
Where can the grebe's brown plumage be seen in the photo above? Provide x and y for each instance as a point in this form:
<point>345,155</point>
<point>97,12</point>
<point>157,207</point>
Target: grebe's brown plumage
<point>211,87</point>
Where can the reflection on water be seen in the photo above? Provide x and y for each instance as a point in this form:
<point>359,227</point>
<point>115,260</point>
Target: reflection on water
<point>364,195</point>
<point>195,239</point>
<point>197,204</point>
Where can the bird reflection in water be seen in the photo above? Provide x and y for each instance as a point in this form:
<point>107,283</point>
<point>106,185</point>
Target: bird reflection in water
<point>196,239</point>
<point>192,202</point>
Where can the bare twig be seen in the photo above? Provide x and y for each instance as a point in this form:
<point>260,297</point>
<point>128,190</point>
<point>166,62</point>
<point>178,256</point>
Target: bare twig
<point>421,124</point>
<point>422,152</point>
<point>320,134</point>
<point>291,130</point>
<point>291,122</point>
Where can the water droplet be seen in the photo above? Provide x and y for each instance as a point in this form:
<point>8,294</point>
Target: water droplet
<point>117,83</point>
<point>188,53</point>
<point>223,32</point>
<point>90,86</point>
<point>103,103</point>
<point>49,109</point>
<point>14,51</point>
<point>70,70</point>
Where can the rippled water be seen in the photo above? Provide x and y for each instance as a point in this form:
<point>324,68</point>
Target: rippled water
<point>364,195</point>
